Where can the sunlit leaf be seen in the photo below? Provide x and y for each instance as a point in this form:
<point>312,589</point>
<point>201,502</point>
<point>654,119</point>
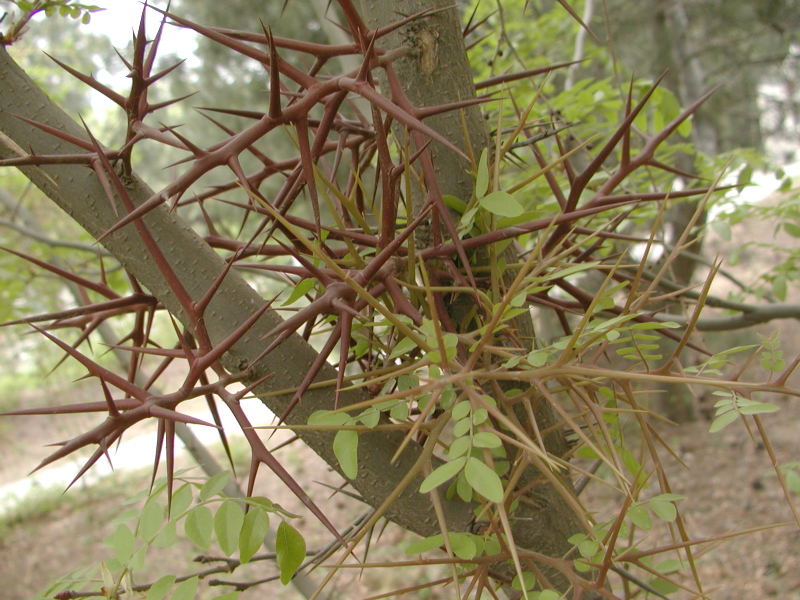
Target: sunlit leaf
<point>664,509</point>
<point>181,499</point>
<point>723,421</point>
<point>640,517</point>
<point>463,545</point>
<point>150,520</point>
<point>482,176</point>
<point>167,536</point>
<point>160,588</point>
<point>214,485</point>
<point>425,544</point>
<point>441,474</point>
<point>199,525</point>
<point>227,526</point>
<point>300,290</point>
<point>502,204</point>
<point>254,528</point>
<point>483,480</point>
<point>291,550</point>
<point>528,581</point>
<point>486,439</point>
<point>186,590</point>
<point>122,542</point>
<point>345,447</point>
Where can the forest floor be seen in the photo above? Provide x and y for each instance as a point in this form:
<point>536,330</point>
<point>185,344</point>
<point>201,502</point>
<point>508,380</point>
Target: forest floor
<point>727,478</point>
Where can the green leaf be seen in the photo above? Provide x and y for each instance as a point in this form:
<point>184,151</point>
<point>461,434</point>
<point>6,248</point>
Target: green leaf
<point>122,542</point>
<point>256,524</point>
<point>588,548</point>
<point>328,418</point>
<point>462,427</point>
<point>486,439</point>
<point>198,526</point>
<point>441,474</point>
<point>181,499</point>
<point>345,447</point>
<point>214,485</point>
<point>300,290</point>
<point>160,588</point>
<point>758,408</point>
<point>671,565</point>
<point>370,417</point>
<point>404,346</point>
<point>745,176</point>
<point>454,203</point>
<point>722,421</point>
<point>228,596</point>
<point>539,358</point>
<point>482,176</point>
<point>483,480</point>
<point>640,517</point>
<point>227,525</point>
<point>664,509</point>
<point>669,497</point>
<point>662,586</point>
<point>291,550</point>
<point>793,229</point>
<point>463,545</point>
<point>685,128</point>
<point>459,447</point>
<point>152,516</point>
<point>399,411</point>
<point>467,221</point>
<point>167,536</point>
<point>502,204</point>
<point>779,288</point>
<point>480,416</point>
<point>492,545</point>
<point>186,590</point>
<point>528,581</point>
<point>425,544</point>
<point>461,410</point>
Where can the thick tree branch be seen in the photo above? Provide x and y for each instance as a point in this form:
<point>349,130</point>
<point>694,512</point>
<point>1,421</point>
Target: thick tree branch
<point>78,192</point>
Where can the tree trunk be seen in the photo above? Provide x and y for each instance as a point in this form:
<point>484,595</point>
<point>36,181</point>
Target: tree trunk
<point>435,71</point>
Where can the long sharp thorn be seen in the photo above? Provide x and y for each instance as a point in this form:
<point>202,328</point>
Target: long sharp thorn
<point>116,98</point>
<point>65,274</point>
<point>274,107</point>
<point>517,75</point>
<point>86,466</point>
<point>157,454</point>
<point>223,438</point>
<point>174,416</point>
<point>313,370</point>
<point>345,325</point>
<point>112,408</point>
<point>77,408</point>
<point>575,16</point>
<point>94,368</point>
<point>398,113</point>
<point>169,435</point>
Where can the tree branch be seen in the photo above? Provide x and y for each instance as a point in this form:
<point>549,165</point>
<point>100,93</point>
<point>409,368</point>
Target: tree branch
<point>78,192</point>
